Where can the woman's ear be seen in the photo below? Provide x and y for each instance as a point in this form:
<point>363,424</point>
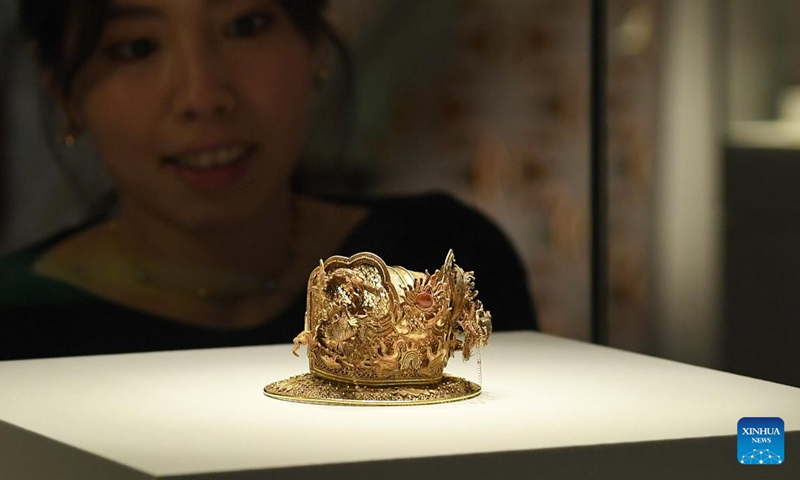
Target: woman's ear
<point>72,126</point>
<point>47,76</point>
<point>320,64</point>
<point>320,77</point>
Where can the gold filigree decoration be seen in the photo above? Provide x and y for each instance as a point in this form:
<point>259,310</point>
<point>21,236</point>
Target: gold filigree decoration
<point>370,324</point>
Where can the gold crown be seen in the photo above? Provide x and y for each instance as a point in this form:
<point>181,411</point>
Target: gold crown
<point>380,334</point>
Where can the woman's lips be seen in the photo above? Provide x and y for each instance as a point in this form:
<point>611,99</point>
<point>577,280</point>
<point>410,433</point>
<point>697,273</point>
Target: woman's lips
<point>214,168</point>
<point>209,158</point>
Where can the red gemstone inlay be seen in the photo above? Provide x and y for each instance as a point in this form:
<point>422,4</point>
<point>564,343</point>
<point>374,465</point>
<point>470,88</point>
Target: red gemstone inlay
<point>425,300</point>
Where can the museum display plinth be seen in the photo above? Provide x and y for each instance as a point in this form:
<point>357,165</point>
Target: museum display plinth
<point>550,408</point>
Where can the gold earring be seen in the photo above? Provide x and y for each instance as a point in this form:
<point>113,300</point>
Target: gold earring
<point>68,140</point>
<point>66,136</point>
<point>321,77</point>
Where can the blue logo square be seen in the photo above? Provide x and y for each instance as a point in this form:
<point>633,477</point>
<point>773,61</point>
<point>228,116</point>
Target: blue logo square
<point>760,441</point>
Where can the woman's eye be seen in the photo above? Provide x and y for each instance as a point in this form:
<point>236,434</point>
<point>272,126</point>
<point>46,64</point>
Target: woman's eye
<point>249,25</point>
<point>132,50</point>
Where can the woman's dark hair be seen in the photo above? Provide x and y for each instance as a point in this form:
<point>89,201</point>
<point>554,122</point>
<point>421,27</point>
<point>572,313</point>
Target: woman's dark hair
<point>45,23</point>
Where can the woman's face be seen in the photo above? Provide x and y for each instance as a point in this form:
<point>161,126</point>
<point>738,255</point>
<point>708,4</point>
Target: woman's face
<point>198,107</point>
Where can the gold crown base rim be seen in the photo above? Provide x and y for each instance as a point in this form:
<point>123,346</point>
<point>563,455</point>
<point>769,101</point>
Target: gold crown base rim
<point>310,388</point>
<point>389,381</point>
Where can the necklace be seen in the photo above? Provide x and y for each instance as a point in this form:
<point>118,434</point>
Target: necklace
<point>200,282</point>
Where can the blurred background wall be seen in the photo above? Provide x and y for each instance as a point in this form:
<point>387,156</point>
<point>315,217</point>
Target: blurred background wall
<point>489,101</point>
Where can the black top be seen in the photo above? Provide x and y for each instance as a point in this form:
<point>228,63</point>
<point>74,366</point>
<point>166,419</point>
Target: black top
<point>42,317</point>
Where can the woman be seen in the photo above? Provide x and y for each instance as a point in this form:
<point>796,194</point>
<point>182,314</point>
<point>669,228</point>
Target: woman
<point>199,110</point>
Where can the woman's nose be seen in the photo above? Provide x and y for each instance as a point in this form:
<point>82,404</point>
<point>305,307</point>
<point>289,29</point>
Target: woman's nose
<point>203,86</point>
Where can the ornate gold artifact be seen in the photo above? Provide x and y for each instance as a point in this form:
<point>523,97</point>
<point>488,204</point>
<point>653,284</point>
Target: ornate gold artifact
<point>380,335</point>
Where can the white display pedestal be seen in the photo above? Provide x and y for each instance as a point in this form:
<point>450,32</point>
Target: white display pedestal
<point>551,408</point>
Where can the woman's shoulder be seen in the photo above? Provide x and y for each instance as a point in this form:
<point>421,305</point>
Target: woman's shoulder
<point>17,276</point>
<point>19,282</point>
<point>424,204</point>
<point>430,223</point>
<point>418,231</point>
<point>428,213</point>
